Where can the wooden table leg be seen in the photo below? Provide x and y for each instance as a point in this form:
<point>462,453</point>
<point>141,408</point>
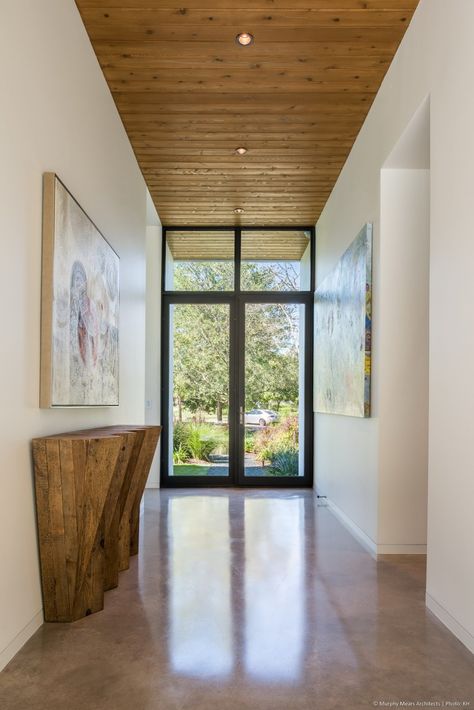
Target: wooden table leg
<point>73,478</point>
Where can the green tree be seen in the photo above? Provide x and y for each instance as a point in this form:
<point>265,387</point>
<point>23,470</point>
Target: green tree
<point>201,357</point>
<point>201,339</point>
<point>271,355</point>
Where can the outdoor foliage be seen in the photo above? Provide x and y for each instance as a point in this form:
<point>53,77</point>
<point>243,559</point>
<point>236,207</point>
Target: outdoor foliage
<point>278,444</point>
<point>201,341</point>
<point>201,357</point>
<point>180,454</point>
<point>284,463</point>
<point>249,441</point>
<point>271,355</point>
<point>196,442</point>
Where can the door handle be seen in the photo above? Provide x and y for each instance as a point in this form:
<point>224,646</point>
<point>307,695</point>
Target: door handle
<point>241,410</point>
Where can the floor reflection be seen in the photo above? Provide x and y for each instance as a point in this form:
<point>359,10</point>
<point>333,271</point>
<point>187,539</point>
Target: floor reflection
<point>199,604</point>
<point>274,595</point>
<point>240,600</point>
<point>236,595</point>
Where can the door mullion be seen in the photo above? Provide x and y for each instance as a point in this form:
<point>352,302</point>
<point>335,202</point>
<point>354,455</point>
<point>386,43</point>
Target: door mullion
<point>234,436</point>
<point>241,389</point>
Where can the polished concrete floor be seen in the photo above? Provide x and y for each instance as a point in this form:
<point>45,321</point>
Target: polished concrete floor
<point>246,599</point>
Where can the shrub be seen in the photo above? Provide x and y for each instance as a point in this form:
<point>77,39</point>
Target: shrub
<point>263,444</point>
<point>201,442</point>
<point>197,441</point>
<point>180,437</point>
<point>284,463</point>
<point>249,441</point>
<point>180,454</point>
<point>280,438</point>
<point>221,435</point>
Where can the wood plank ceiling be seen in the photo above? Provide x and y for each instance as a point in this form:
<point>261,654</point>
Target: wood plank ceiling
<point>189,95</point>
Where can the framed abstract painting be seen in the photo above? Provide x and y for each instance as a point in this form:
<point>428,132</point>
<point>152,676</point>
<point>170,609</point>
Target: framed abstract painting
<point>343,333</point>
<point>79,306</point>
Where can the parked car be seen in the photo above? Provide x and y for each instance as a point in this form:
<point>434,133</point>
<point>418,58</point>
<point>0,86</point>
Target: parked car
<point>262,417</point>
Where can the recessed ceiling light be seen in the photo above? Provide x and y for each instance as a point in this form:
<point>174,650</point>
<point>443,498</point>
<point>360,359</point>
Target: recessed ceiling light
<point>244,38</point>
<point>241,150</point>
<point>239,210</point>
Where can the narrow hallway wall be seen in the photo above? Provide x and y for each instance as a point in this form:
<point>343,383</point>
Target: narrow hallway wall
<point>56,115</point>
<point>436,59</point>
<point>153,331</point>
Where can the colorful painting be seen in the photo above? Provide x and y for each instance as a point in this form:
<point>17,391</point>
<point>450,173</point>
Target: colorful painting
<point>343,333</point>
<point>80,306</point>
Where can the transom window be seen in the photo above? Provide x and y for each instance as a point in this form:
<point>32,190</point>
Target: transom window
<point>249,260</point>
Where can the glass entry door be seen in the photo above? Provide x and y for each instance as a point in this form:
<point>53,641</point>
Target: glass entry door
<point>237,357</point>
<point>273,391</point>
<point>199,375</point>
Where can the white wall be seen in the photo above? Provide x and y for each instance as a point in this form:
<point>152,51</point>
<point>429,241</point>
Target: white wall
<point>56,114</point>
<point>153,331</point>
<point>403,361</point>
<point>436,58</point>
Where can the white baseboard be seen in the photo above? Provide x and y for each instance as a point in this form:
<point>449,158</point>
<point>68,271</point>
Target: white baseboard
<point>450,622</point>
<point>354,529</point>
<point>20,639</point>
<point>370,545</point>
<point>401,549</point>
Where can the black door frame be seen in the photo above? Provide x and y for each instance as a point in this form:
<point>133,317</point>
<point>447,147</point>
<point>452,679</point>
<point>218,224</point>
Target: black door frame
<point>237,301</point>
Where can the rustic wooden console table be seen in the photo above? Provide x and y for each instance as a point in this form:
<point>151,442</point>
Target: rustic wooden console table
<point>89,485</point>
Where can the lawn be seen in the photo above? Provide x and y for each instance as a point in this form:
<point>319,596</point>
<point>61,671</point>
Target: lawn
<point>190,469</point>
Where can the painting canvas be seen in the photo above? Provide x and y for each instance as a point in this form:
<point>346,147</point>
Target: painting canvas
<point>80,306</point>
<point>343,330</point>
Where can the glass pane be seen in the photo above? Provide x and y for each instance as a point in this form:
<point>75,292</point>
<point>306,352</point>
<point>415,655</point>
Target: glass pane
<point>199,261</point>
<point>276,261</point>
<point>274,389</point>
<point>199,405</point>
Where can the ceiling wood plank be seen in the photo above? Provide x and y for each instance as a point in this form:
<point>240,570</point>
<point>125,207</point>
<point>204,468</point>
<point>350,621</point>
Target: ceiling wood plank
<point>296,98</point>
<point>125,24</point>
<point>335,5</point>
<point>124,21</point>
<point>254,103</point>
<point>327,80</point>
<point>215,55</point>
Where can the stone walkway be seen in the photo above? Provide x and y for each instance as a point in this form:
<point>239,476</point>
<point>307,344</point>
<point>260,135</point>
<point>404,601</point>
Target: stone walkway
<point>219,466</point>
